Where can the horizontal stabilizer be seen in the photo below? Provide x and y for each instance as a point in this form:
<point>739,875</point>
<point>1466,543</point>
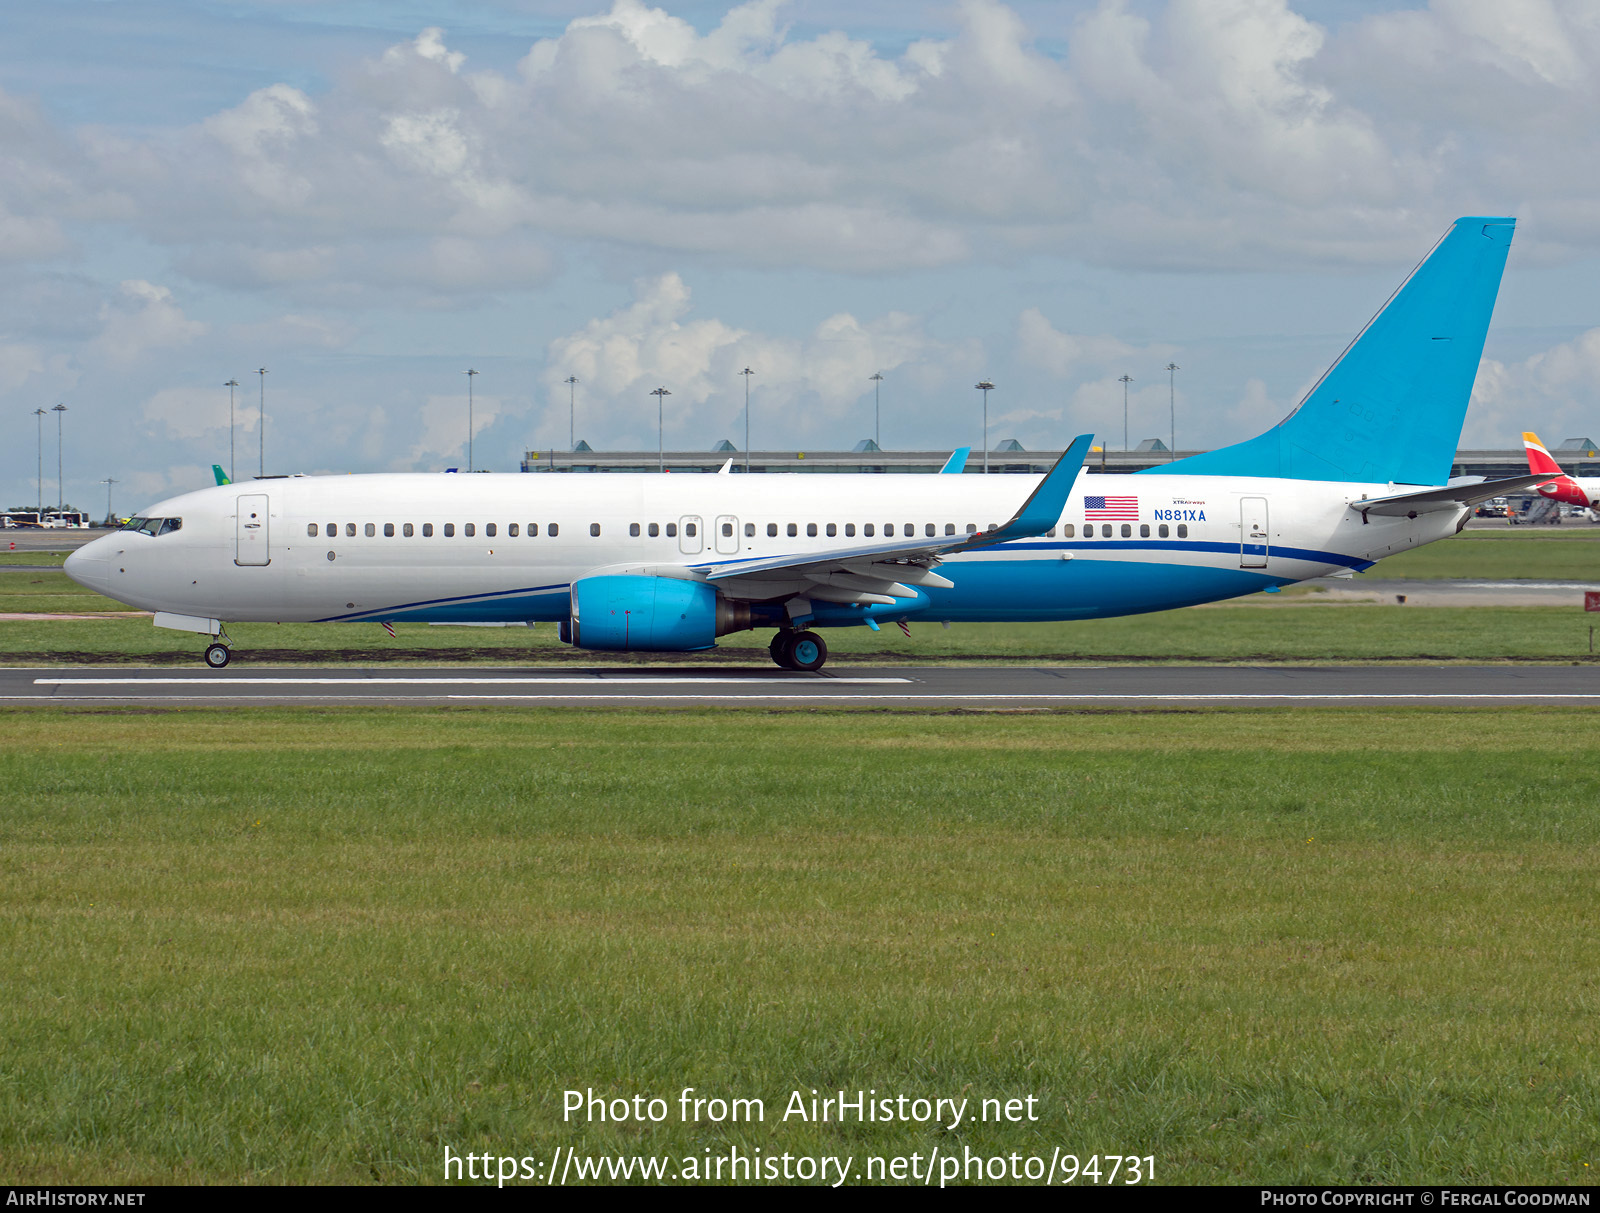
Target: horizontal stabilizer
<point>1409,505</point>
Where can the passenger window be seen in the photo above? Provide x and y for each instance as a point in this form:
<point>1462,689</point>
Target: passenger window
<point>1067,530</point>
<point>1105,530</point>
<point>1183,530</point>
<point>930,530</point>
<point>1127,530</point>
<point>633,529</point>
<point>811,530</point>
<point>371,530</point>
<point>332,529</point>
<point>1162,530</point>
<point>772,530</point>
<point>350,529</point>
<point>1144,530</point>
<point>911,529</point>
<point>850,530</point>
<point>511,530</point>
<point>533,530</point>
<point>388,530</point>
<point>793,530</point>
<point>655,530</point>
<point>688,529</point>
<point>409,530</point>
<point>594,530</point>
<point>972,528</point>
<point>489,530</point>
<point>311,529</point>
<point>1088,530</point>
<point>427,530</point>
<point>449,530</point>
<point>866,530</point>
<point>552,530</point>
<point>888,530</point>
<point>1051,533</point>
<point>470,529</point>
<point>749,530</point>
<point>672,530</point>
<point>949,528</point>
<point>727,530</point>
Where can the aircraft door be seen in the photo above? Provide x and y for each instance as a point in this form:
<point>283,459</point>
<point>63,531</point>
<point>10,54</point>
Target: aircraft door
<point>252,543</point>
<point>727,535</point>
<point>691,540</point>
<point>1253,537</point>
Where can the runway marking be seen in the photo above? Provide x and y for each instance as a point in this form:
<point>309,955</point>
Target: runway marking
<point>934,695</point>
<point>587,680</point>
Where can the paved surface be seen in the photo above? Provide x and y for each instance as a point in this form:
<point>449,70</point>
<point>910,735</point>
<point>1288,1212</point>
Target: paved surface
<point>1008,687</point>
<point>1418,592</point>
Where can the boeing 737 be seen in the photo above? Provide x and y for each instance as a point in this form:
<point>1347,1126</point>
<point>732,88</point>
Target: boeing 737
<point>1357,472</point>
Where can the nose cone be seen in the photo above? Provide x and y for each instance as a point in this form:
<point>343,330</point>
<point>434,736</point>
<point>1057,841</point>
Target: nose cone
<point>87,566</point>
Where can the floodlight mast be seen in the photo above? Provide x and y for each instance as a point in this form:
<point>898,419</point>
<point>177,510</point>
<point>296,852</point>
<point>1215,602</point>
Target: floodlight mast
<point>572,411</point>
<point>1125,381</point>
<point>985,387</point>
<point>61,492</point>
<point>1172,407</point>
<point>233,473</point>
<point>469,375</point>
<point>661,456</point>
<point>747,372</point>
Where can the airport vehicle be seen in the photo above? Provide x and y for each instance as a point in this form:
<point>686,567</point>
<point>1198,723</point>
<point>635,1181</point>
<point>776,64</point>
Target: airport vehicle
<point>669,563</point>
<point>1569,490</point>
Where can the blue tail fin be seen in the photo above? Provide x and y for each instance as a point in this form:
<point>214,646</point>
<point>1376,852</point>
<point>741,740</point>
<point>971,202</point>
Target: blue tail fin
<point>1391,408</point>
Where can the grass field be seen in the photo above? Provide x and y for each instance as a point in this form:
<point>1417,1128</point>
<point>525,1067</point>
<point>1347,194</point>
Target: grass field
<point>1558,554</point>
<point>1297,947</point>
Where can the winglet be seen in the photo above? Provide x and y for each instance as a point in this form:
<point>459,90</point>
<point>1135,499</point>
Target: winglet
<point>957,462</point>
<point>1043,507</point>
<point>222,477</point>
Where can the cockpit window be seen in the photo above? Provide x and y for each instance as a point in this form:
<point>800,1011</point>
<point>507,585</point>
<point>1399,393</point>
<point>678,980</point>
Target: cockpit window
<point>154,526</point>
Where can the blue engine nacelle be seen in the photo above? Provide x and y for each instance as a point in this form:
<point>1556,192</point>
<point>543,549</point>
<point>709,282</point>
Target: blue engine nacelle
<point>631,613</point>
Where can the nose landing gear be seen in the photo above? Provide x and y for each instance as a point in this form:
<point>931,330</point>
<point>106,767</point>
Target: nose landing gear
<point>803,651</point>
<point>217,655</point>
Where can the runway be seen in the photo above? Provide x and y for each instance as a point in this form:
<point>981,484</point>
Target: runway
<point>1009,687</point>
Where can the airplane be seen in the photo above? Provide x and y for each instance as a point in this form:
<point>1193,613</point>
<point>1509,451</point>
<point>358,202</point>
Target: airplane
<point>1569,490</point>
<point>645,562</point>
<point>221,476</point>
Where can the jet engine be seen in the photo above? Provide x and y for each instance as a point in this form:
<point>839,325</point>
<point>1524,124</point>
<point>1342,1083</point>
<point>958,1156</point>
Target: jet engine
<point>633,613</point>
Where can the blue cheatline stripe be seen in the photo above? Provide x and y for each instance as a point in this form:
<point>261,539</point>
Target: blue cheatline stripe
<point>1310,555</point>
<point>428,602</point>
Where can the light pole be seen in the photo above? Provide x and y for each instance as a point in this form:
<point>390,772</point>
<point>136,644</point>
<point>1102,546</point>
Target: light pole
<point>572,411</point>
<point>985,387</point>
<point>230,385</point>
<point>747,372</point>
<point>469,375</point>
<point>661,449</point>
<point>1172,407</point>
<point>108,482</point>
<point>877,417</point>
<point>1125,381</point>
<point>61,494</point>
<point>41,414</point>
<point>261,423</point>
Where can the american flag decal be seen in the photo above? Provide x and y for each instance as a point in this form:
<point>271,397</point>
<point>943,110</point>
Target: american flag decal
<point>1111,509</point>
<point>388,627</point>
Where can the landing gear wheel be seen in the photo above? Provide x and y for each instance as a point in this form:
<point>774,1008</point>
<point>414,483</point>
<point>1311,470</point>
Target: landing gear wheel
<point>776,648</point>
<point>806,652</point>
<point>217,656</point>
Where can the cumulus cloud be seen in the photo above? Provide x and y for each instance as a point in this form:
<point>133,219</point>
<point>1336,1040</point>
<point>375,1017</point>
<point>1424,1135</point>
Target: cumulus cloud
<point>140,318</point>
<point>655,341</point>
<point>1551,392</point>
<point>1201,133</point>
<point>444,427</point>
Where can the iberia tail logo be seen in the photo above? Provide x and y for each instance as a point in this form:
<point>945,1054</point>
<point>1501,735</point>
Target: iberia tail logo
<point>1564,488</point>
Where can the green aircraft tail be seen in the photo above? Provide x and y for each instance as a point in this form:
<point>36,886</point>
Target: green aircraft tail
<point>222,477</point>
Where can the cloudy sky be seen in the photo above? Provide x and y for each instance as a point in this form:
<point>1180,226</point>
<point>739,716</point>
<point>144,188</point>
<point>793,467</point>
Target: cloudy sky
<point>369,198</point>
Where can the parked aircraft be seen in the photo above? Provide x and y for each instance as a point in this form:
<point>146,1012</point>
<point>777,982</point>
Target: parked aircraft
<point>669,563</point>
<point>1569,490</point>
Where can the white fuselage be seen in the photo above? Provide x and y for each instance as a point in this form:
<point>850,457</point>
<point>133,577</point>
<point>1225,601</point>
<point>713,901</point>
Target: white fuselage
<point>485,547</point>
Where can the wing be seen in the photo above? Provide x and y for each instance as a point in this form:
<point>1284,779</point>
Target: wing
<point>1450,497</point>
<point>887,572</point>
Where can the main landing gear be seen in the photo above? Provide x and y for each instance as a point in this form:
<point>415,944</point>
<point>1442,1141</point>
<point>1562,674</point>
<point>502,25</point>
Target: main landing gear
<point>803,651</point>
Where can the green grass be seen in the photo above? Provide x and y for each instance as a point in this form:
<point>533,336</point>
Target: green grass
<point>1263,629</point>
<point>1294,947</point>
<point>32,557</point>
<point>1563,554</point>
